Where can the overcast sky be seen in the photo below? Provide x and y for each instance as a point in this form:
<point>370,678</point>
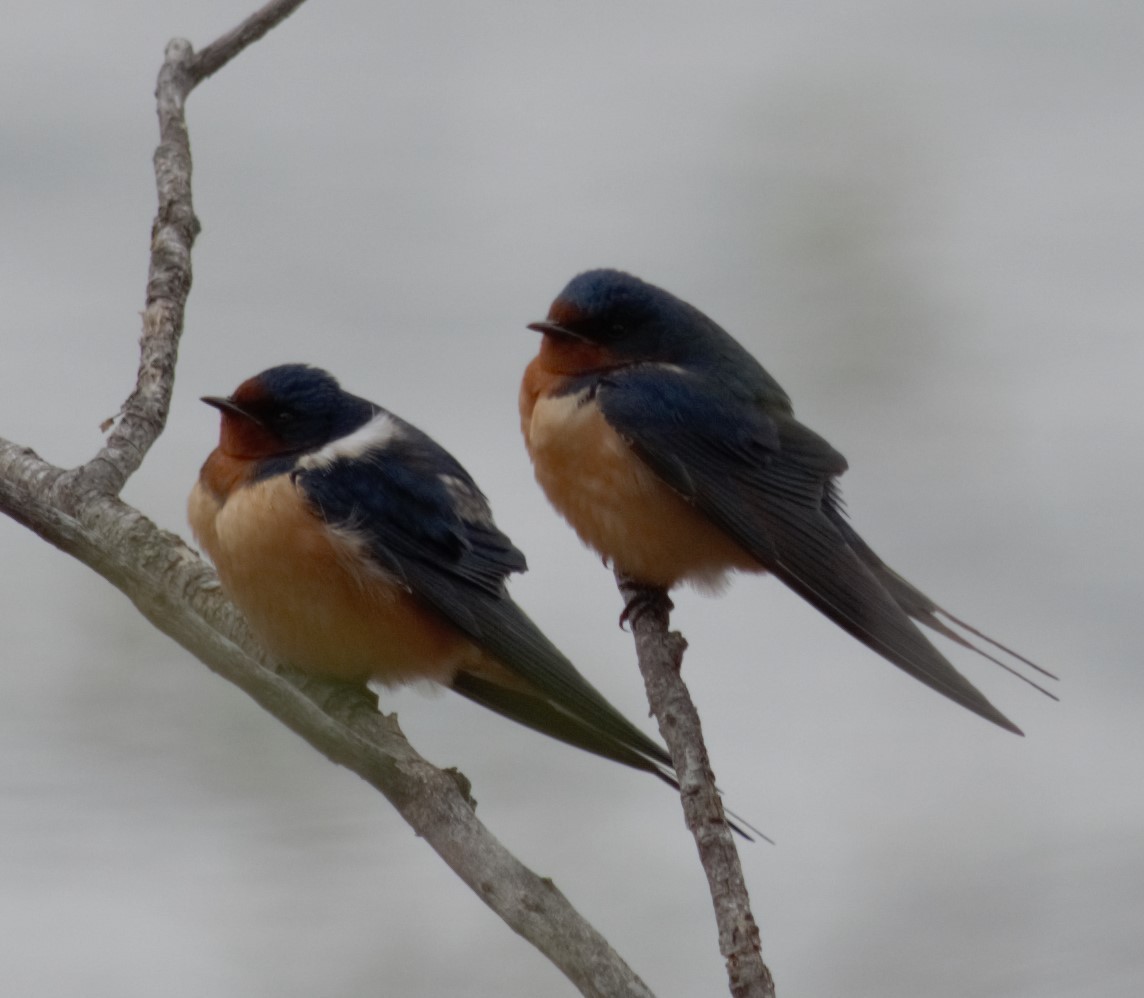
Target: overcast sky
<point>924,219</point>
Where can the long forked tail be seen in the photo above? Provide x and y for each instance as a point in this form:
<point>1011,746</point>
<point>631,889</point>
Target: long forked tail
<point>534,712</point>
<point>924,610</point>
<point>810,555</point>
<point>556,699</point>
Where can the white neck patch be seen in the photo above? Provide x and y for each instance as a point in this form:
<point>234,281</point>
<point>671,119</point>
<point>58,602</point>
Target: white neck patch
<point>376,435</point>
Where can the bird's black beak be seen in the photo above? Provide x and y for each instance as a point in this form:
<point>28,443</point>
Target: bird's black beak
<point>226,405</point>
<point>555,329</point>
<point>220,403</point>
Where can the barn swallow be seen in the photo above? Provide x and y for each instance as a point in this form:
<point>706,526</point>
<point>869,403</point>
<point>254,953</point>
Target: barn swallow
<point>677,457</point>
<point>358,549</point>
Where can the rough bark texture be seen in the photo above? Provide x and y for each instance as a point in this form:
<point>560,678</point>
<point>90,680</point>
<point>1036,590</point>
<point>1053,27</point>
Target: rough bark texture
<point>660,654</point>
<point>79,512</point>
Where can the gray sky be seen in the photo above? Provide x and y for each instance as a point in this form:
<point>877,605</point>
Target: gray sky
<point>925,220</point>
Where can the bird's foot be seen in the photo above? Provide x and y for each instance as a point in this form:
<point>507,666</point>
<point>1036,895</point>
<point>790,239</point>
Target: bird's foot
<point>642,600</point>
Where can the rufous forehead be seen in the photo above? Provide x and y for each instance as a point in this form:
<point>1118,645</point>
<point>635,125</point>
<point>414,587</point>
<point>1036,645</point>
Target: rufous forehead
<point>251,390</point>
<point>564,312</point>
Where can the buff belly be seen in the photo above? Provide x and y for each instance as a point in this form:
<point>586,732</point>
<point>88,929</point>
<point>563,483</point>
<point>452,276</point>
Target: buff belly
<point>311,596</point>
<point>619,506</point>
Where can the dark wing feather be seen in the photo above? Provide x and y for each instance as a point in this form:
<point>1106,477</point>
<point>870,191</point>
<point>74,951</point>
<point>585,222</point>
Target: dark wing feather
<point>767,481</point>
<point>919,606</point>
<point>425,522</point>
<point>544,716</point>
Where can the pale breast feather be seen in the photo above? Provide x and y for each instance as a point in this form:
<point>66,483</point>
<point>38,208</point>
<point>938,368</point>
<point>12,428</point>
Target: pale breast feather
<point>617,504</point>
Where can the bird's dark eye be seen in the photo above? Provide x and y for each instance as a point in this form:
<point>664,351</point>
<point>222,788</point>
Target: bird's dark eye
<point>283,416</point>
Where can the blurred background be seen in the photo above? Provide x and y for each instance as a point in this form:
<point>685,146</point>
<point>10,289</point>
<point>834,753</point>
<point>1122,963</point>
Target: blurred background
<point>925,220</point>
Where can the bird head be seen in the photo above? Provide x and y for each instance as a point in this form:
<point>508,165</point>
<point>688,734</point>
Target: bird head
<point>292,408</point>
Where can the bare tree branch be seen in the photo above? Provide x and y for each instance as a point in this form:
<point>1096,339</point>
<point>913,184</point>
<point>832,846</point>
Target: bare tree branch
<point>179,593</point>
<point>79,512</point>
<point>173,233</point>
<point>216,55</point>
<point>660,653</point>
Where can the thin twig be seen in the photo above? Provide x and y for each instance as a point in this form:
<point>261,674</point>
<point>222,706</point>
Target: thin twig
<point>216,55</point>
<point>660,654</point>
<point>173,233</point>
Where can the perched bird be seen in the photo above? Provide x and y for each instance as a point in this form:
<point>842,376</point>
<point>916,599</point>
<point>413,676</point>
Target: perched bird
<point>674,455</point>
<point>359,549</point>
